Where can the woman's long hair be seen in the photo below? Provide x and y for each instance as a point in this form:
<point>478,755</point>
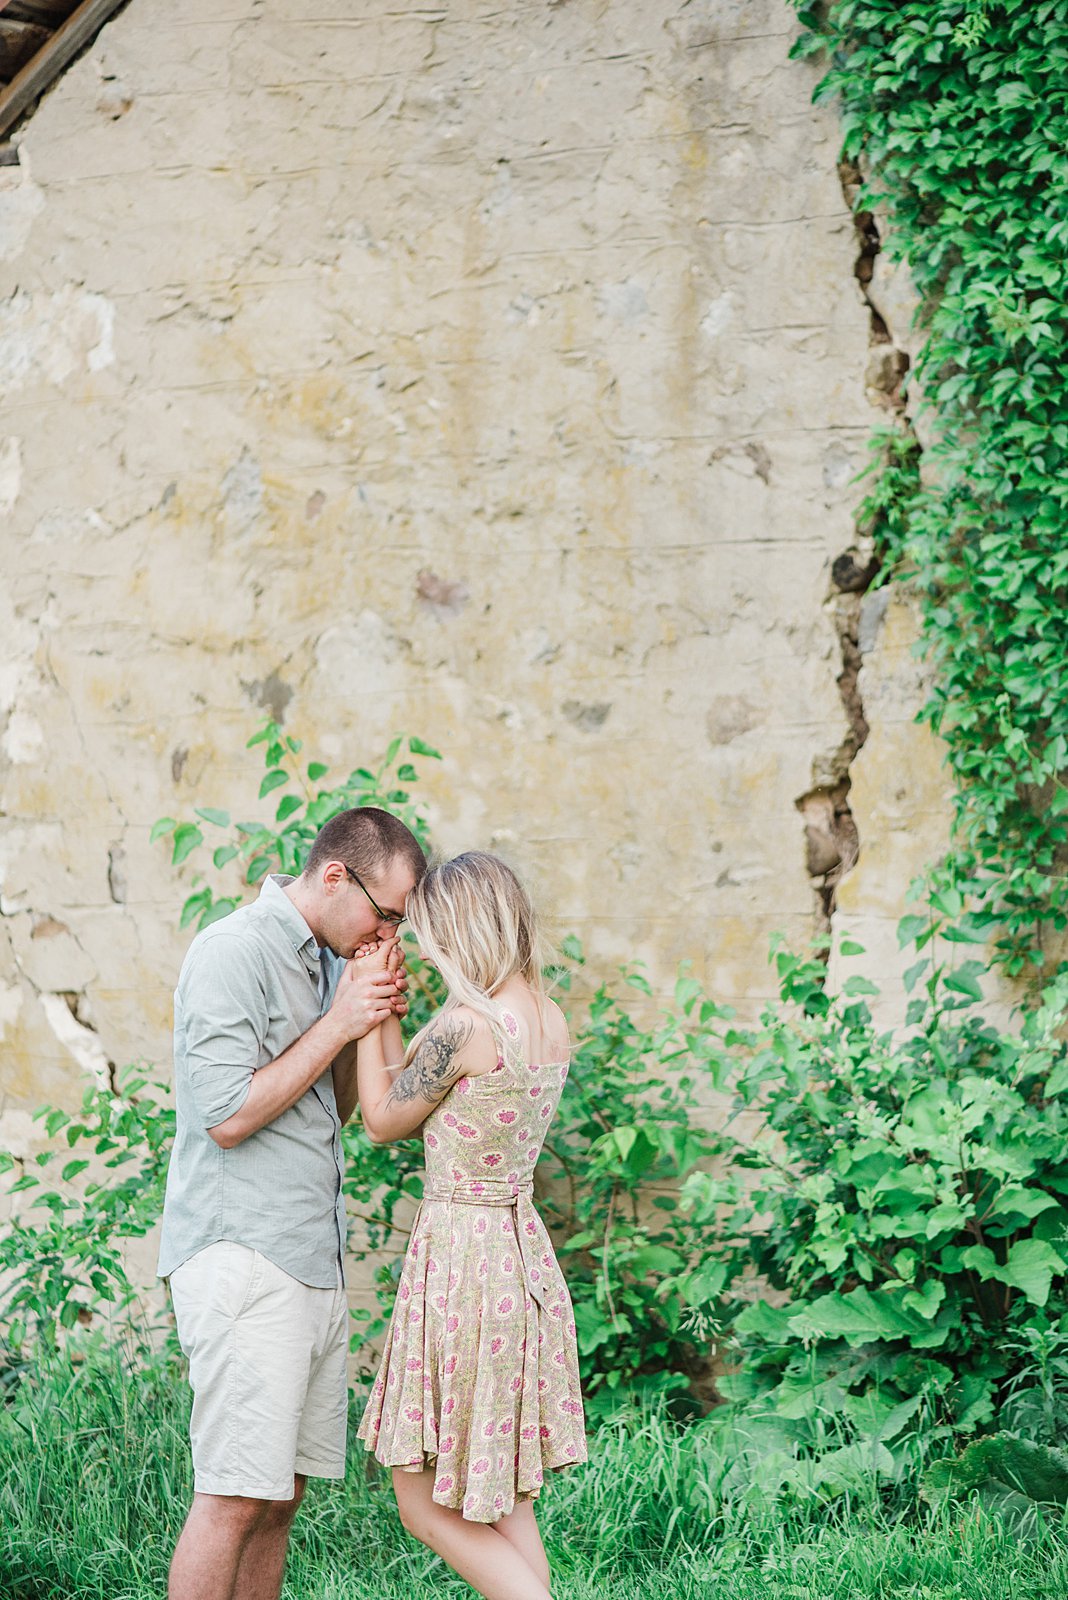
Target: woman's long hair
<point>476,923</point>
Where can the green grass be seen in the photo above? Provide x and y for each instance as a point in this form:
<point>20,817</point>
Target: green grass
<point>94,1485</point>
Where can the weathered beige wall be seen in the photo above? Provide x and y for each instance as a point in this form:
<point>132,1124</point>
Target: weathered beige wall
<point>496,374</point>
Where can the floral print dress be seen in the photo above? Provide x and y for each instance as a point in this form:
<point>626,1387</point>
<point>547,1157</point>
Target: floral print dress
<point>479,1376</point>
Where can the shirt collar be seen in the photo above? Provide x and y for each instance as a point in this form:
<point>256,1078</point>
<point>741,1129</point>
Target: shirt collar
<point>285,912</point>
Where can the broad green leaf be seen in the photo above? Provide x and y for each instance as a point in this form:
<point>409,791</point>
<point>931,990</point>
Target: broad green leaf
<point>221,819</point>
<point>186,838</point>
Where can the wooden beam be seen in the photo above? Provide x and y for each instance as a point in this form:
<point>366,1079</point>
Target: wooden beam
<point>50,60</point>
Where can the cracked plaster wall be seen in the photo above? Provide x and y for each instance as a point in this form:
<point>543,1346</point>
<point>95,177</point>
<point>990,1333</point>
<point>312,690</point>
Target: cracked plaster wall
<point>494,374</point>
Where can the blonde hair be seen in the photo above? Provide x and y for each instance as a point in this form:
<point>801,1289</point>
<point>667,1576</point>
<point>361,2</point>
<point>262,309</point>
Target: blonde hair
<point>476,923</point>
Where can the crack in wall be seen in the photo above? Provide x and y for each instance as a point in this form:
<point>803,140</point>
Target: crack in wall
<point>832,839</point>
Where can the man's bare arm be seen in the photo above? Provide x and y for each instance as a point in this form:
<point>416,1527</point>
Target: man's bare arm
<point>359,1005</point>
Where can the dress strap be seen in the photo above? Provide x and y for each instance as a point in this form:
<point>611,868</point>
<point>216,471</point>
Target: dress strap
<point>508,1035</point>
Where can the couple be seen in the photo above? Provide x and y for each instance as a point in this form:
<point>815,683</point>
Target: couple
<point>287,1015</point>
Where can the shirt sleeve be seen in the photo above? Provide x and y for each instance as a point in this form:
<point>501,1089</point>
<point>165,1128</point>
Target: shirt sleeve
<point>224,1005</point>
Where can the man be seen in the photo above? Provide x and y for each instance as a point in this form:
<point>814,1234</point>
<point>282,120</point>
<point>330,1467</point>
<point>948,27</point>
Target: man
<point>265,1018</point>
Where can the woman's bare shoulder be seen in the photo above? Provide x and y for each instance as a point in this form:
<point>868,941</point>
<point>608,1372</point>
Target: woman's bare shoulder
<point>468,1036</point>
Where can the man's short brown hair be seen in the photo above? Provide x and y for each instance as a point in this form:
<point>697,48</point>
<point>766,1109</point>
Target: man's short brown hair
<point>366,839</point>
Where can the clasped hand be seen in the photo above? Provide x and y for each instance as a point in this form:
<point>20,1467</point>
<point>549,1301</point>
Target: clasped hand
<point>372,986</point>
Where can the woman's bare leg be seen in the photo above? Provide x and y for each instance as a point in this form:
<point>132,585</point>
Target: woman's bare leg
<point>520,1528</point>
<point>484,1558</point>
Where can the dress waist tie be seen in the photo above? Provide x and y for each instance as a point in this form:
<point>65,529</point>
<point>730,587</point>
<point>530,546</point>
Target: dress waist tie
<point>499,1192</point>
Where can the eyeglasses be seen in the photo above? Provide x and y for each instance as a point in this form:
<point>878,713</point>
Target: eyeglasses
<point>394,917</point>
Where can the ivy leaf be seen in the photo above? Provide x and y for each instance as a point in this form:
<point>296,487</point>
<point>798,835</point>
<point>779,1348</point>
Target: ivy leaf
<point>221,819</point>
<point>186,838</point>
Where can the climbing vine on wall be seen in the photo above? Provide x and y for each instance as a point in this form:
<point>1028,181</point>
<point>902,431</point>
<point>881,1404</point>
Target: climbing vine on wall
<point>957,111</point>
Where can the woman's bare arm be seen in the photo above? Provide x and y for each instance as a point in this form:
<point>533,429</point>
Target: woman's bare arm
<point>394,1102</point>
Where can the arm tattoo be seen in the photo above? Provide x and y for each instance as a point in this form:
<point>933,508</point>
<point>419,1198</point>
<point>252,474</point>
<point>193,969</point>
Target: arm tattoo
<point>433,1069</point>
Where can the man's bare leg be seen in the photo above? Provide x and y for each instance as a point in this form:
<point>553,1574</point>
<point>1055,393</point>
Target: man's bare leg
<point>220,1532</point>
<point>259,1573</point>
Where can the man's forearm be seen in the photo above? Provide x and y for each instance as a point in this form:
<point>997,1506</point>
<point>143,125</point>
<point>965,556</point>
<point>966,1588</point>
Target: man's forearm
<point>279,1085</point>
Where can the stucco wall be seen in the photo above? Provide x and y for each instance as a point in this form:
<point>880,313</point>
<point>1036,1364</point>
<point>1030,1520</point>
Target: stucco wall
<point>495,374</point>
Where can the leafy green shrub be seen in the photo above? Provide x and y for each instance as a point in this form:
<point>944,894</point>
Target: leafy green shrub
<point>958,113</point>
<point>907,1200</point>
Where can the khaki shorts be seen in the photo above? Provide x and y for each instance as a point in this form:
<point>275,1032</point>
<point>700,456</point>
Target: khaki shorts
<point>267,1362</point>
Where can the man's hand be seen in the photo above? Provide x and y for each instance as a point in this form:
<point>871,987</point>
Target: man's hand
<point>363,997</point>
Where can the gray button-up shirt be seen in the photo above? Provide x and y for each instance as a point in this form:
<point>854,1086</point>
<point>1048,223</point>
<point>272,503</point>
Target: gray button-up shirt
<point>250,985</point>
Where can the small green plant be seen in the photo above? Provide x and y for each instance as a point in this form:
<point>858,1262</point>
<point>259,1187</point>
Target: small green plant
<point>626,1137</point>
<point>62,1253</point>
<point>300,812</point>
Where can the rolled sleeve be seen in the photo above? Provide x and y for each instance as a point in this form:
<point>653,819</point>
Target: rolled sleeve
<point>225,1019</point>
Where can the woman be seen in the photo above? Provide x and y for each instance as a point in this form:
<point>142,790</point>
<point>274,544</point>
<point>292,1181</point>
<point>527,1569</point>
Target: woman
<point>478,1391</point>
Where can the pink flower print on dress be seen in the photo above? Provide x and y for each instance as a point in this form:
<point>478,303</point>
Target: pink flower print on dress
<point>511,1025</point>
<point>517,1382</point>
<point>538,1476</point>
<point>481,1224</point>
<point>530,1228</point>
<point>522,1136</point>
<point>489,1429</point>
<point>430,1140</point>
<point>506,1116</point>
<point>467,1132</point>
<point>498,1502</point>
<point>449,1406</point>
<point>431,1265</point>
<point>445,1484</point>
<point>413,1364</point>
<point>535,1092</point>
<point>450,1119</point>
<point>483,1266</point>
<point>452,1323</point>
<point>481,1465</point>
<point>546,1110</point>
<point>530,1432</point>
<point>505,1305</point>
<point>508,1264</point>
<point>559,1358</point>
<point>492,1160</point>
<point>506,1426</point>
<point>404,1292</point>
<point>413,1413</point>
<point>478,1188</point>
<point>462,1085</point>
<point>496,1344</point>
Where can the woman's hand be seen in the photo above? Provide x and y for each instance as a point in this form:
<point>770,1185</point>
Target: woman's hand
<point>385,955</point>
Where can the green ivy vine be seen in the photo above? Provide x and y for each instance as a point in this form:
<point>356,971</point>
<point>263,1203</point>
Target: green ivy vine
<point>957,113</point>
